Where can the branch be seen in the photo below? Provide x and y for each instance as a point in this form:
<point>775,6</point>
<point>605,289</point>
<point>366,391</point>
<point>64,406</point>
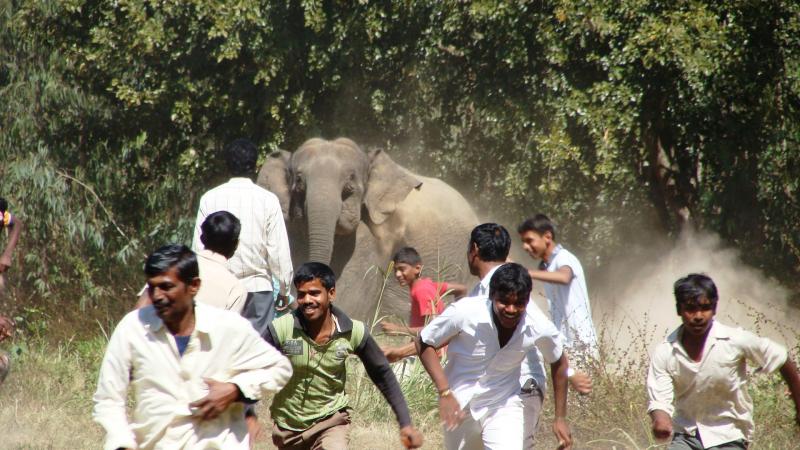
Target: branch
<point>100,202</point>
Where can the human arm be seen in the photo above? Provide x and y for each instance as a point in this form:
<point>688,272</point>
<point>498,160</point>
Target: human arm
<point>558,371</point>
<point>563,275</point>
<point>112,389</point>
<point>660,393</point>
<point>394,354</point>
<point>258,367</point>
<point>378,370</point>
<point>6,328</point>
<point>390,327</point>
<point>792,378</point>
<point>13,238</point>
<point>279,258</point>
<point>457,290</point>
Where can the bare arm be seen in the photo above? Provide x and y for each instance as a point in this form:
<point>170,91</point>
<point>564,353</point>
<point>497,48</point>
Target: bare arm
<point>458,290</point>
<point>792,378</point>
<point>13,239</point>
<point>661,424</point>
<point>558,371</point>
<point>394,354</point>
<point>560,276</point>
<point>449,409</point>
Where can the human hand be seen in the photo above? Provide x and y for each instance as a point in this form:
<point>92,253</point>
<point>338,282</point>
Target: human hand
<point>254,429</point>
<point>563,434</point>
<point>391,353</point>
<point>6,328</point>
<point>389,327</point>
<point>410,437</point>
<point>581,382</point>
<point>662,425</point>
<point>220,396</point>
<point>450,412</point>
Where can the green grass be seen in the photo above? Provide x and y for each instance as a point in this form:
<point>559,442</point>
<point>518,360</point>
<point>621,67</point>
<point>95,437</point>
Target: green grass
<point>46,403</point>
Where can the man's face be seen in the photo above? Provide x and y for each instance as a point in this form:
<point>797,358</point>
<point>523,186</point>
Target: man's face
<point>509,309</point>
<point>405,273</point>
<point>172,298</point>
<point>535,244</point>
<point>697,316</point>
<point>313,300</point>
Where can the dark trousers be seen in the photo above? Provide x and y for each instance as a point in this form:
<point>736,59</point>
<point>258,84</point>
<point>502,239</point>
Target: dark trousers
<point>259,309</point>
<point>684,441</point>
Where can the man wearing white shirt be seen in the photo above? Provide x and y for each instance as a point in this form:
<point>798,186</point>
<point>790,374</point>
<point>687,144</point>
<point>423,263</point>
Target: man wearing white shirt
<point>192,367</point>
<point>564,285</point>
<point>487,338</point>
<point>263,243</point>
<point>696,382</point>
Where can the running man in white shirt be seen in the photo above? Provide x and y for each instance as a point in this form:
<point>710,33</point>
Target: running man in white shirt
<point>263,243</point>
<point>192,367</point>
<point>479,391</point>
<point>696,382</point>
<point>564,286</point>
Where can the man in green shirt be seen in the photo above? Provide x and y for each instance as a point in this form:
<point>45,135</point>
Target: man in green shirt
<point>312,410</point>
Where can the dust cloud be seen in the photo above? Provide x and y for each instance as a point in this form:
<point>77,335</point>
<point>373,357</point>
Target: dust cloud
<point>634,308</point>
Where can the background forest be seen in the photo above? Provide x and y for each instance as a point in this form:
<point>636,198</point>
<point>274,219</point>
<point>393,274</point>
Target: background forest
<point>619,118</point>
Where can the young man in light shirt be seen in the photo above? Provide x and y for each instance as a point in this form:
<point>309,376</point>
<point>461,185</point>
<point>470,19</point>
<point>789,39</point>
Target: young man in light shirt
<point>696,382</point>
<point>565,289</point>
<point>192,367</point>
<point>480,398</point>
<point>263,249</point>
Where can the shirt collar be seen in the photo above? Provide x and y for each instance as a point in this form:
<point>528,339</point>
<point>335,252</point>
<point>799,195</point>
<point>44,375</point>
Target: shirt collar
<point>240,180</point>
<point>543,265</point>
<point>203,322</point>
<point>717,332</point>
<point>216,257</point>
<point>343,323</point>
<point>484,283</point>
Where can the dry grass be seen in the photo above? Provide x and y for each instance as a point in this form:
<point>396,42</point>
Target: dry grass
<point>46,404</point>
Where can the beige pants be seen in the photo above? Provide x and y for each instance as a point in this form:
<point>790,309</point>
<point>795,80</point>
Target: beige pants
<point>332,433</point>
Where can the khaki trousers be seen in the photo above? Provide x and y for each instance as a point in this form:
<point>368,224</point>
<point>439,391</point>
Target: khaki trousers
<point>332,433</point>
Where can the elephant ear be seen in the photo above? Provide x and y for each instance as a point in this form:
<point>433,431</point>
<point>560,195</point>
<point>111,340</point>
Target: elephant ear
<point>274,177</point>
<point>388,185</point>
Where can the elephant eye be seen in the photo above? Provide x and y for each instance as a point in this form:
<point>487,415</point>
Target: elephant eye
<point>347,190</point>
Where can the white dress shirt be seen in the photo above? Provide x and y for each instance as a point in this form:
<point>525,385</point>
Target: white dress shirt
<point>483,375</point>
<point>709,396</point>
<point>532,365</point>
<point>142,352</point>
<point>263,243</point>
<point>218,286</point>
<point>569,304</point>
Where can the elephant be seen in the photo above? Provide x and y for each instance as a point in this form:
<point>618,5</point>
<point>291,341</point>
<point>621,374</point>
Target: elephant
<point>352,209</point>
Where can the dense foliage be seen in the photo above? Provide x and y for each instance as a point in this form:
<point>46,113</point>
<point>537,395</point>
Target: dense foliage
<point>613,116</point>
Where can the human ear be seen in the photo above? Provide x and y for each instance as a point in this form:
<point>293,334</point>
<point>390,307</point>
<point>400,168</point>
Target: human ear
<point>331,293</point>
<point>194,285</point>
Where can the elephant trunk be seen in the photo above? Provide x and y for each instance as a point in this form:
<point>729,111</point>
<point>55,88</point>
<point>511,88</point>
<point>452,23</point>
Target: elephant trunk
<point>323,214</point>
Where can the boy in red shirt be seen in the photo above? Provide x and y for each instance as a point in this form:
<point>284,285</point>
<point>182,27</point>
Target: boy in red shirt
<point>426,300</point>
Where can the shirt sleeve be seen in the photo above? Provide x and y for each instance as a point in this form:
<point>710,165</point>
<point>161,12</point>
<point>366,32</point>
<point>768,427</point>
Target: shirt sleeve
<point>764,353</point>
<point>201,216</point>
<point>112,392</point>
<point>258,367</point>
<point>660,388</point>
<point>550,341</point>
<point>443,327</point>
<point>279,257</point>
<point>381,374</point>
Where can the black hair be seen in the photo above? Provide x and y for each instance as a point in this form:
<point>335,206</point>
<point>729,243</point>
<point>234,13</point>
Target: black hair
<point>3,205</point>
<point>539,224</point>
<point>241,156</point>
<point>492,240</point>
<point>408,255</point>
<point>310,270</point>
<point>220,233</point>
<point>692,287</point>
<point>510,278</point>
<point>173,255</point>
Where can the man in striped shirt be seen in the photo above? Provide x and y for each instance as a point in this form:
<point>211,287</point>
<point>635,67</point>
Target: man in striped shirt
<point>263,243</point>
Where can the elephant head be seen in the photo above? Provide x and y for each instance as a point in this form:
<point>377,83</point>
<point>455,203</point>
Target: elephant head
<point>325,184</point>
